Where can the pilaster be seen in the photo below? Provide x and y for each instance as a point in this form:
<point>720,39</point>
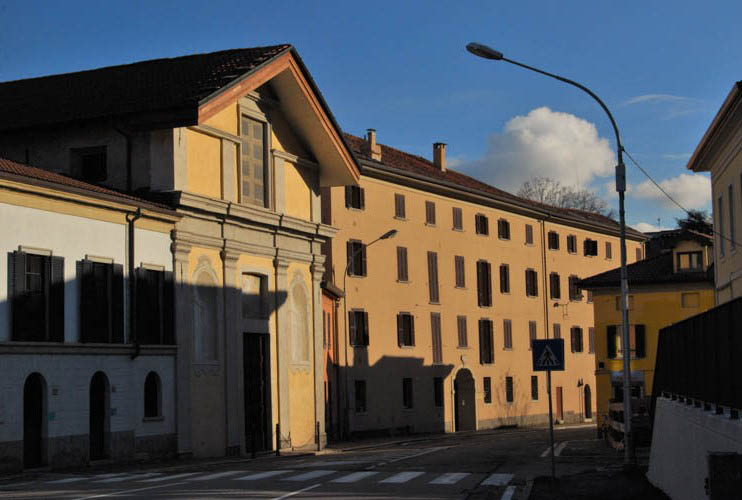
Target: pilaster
<point>318,270</point>
<point>283,348</point>
<point>233,382</point>
<point>279,183</point>
<point>184,338</point>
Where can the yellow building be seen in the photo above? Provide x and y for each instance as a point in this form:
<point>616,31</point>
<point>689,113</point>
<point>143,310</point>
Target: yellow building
<point>438,319</point>
<point>720,153</point>
<point>663,289</point>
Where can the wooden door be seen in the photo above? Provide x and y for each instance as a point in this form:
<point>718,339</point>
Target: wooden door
<point>257,392</point>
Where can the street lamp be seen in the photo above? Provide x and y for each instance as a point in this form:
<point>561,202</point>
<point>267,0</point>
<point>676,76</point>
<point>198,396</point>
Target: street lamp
<point>389,234</point>
<point>485,52</point>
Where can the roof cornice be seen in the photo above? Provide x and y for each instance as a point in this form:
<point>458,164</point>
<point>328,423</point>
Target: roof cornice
<point>713,135</point>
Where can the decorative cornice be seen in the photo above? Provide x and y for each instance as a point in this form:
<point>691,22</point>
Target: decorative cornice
<point>294,256</point>
<point>215,132</point>
<point>197,239</point>
<point>302,162</point>
<point>200,202</point>
<point>31,348</point>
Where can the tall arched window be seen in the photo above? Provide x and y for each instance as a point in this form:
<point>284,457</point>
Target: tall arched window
<point>204,317</point>
<point>299,324</point>
<point>152,396</point>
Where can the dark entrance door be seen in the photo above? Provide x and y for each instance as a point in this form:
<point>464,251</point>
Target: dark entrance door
<point>465,415</point>
<point>33,421</point>
<point>257,392</point>
<point>98,416</point>
<point>588,403</point>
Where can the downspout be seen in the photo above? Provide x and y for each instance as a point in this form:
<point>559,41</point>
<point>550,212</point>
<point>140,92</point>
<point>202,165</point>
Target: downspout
<point>131,218</point>
<point>542,223</point>
<point>129,179</point>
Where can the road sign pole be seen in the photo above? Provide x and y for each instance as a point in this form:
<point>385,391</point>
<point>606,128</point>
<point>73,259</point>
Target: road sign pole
<point>551,425</point>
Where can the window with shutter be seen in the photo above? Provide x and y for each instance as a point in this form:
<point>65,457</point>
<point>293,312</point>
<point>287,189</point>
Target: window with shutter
<point>572,243</point>
<point>639,253</point>
<point>590,247</point>
<point>402,274</point>
<point>459,271</point>
<point>529,234</point>
<point>554,284</point>
<point>486,342</point>
<point>481,224</point>
<point>504,278</point>
<point>358,327</point>
<point>433,277</point>
<point>612,341</point>
<point>574,289</point>
<point>399,206</point>
<point>532,333</point>
<point>640,341</point>
<point>531,283</point>
<point>576,339</point>
<point>507,334</point>
<point>254,170</point>
<point>509,393</point>
<point>430,213</point>
<point>355,197</point>
<point>557,330</point>
<point>534,387</point>
<point>462,334</point>
<point>101,302</point>
<point>608,250</point>
<point>154,307</point>
<point>484,284</point>
<point>405,329</point>
<point>36,291</point>
<point>503,229</point>
<point>487,386</point>
<point>435,327</point>
<point>553,240</point>
<point>356,255</point>
<point>458,219</point>
<point>591,340</point>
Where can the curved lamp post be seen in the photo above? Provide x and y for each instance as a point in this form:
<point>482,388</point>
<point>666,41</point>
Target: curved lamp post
<point>389,234</point>
<point>485,52</point>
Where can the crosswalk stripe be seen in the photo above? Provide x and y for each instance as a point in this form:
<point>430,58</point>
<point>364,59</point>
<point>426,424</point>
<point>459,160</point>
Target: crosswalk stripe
<point>450,478</point>
<point>167,478</point>
<point>402,477</point>
<point>67,480</point>
<point>216,475</point>
<point>497,480</point>
<point>354,477</point>
<point>310,475</point>
<point>263,475</point>
<point>127,477</point>
<point>509,492</point>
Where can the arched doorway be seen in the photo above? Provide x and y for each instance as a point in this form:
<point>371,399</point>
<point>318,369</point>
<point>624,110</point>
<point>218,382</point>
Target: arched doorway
<point>34,404</point>
<point>99,411</point>
<point>465,413</point>
<point>588,403</point>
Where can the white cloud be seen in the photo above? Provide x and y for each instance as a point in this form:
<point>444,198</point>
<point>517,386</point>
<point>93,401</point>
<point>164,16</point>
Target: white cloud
<point>646,227</point>
<point>669,105</point>
<point>676,156</point>
<point>656,98</point>
<point>690,190</point>
<point>544,143</point>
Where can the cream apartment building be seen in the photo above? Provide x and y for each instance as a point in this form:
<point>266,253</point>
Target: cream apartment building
<point>438,319</point>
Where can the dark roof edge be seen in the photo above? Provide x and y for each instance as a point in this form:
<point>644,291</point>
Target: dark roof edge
<point>373,169</point>
<point>332,289</point>
<point>735,94</point>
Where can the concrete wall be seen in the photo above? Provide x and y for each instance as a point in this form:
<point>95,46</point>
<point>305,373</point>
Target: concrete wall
<point>682,438</point>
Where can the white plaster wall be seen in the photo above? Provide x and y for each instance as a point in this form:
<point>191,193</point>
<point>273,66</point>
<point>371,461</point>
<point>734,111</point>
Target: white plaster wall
<point>682,438</point>
<point>70,376</point>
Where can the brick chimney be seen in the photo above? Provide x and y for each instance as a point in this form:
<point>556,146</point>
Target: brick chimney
<point>370,147</point>
<point>439,155</point>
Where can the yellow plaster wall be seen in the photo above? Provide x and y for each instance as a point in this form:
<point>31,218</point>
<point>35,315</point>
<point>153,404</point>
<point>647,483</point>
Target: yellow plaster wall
<point>204,164</point>
<point>298,192</point>
<point>225,120</point>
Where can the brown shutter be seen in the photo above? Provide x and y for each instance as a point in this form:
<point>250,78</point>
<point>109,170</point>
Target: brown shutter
<point>168,308</point>
<point>433,276</point>
<point>557,331</point>
<point>365,328</point>
<point>56,300</point>
<point>17,274</point>
<point>481,342</point>
<point>435,326</point>
<point>362,196</point>
<point>591,339</point>
<point>348,197</point>
<point>352,328</point>
<point>349,257</point>
<point>87,300</point>
<point>364,270</point>
<point>400,330</point>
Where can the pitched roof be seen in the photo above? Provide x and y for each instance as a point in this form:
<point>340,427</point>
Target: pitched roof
<point>652,271</point>
<point>159,85</point>
<point>418,165</point>
<point>25,173</point>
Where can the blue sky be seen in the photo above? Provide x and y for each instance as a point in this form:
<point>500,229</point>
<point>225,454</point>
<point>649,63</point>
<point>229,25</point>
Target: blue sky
<point>663,68</point>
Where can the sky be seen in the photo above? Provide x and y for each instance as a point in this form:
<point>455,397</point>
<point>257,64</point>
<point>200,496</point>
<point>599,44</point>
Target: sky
<point>662,68</point>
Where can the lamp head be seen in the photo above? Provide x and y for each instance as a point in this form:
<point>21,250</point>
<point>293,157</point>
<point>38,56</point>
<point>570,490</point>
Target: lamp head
<point>389,234</point>
<point>483,51</point>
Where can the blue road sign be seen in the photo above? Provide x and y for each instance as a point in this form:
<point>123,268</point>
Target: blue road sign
<point>548,354</point>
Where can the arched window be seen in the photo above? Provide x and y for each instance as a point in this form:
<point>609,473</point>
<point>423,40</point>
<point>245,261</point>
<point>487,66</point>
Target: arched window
<point>204,317</point>
<point>152,396</point>
<point>299,324</point>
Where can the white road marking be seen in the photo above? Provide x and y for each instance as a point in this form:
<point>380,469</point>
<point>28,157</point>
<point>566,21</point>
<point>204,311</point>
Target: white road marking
<point>263,475</point>
<point>560,448</point>
<point>310,475</point>
<point>546,452</point>
<point>168,478</point>
<point>216,475</point>
<point>402,477</point>
<point>126,477</point>
<point>287,495</point>
<point>67,480</point>
<point>497,480</point>
<point>123,492</point>
<point>509,492</point>
<point>354,477</point>
<point>450,478</point>
<point>424,452</point>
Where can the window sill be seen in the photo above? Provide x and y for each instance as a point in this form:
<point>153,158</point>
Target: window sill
<point>457,229</point>
<point>507,348</point>
<point>360,346</point>
<point>430,224</point>
<point>553,249</point>
<point>460,288</point>
<point>484,307</point>
<point>407,347</point>
<point>482,234</point>
<point>503,239</point>
<point>465,347</point>
<point>354,209</point>
<point>404,282</point>
<point>153,419</point>
<point>408,410</point>
<point>397,217</point>
<point>437,303</point>
<point>357,275</point>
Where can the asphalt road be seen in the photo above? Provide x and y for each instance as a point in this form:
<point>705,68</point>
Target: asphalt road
<point>495,465</point>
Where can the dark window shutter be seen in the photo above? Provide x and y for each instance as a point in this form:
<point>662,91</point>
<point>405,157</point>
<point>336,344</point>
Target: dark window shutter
<point>481,342</point>
<point>591,339</point>
<point>612,347</point>
<point>488,283</point>
<point>168,308</point>
<point>364,270</point>
<point>143,307</point>
<point>572,339</point>
<point>87,300</point>
<point>348,197</point>
<point>640,341</point>
<point>17,285</point>
<point>362,197</point>
<point>480,283</point>
<point>56,300</point>
<point>400,330</point>
<point>557,331</point>
<point>353,327</point>
<point>412,329</point>
<point>529,234</point>
<point>435,326</point>
<point>365,328</point>
<point>349,257</point>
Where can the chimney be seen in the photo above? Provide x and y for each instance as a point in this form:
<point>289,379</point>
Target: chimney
<point>371,148</point>
<point>439,155</point>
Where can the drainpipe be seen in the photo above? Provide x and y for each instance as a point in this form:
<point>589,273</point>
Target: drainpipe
<point>127,137</point>
<point>542,223</point>
<point>131,218</point>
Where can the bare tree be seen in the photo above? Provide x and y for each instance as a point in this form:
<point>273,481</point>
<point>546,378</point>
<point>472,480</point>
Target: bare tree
<point>552,192</point>
<point>697,220</point>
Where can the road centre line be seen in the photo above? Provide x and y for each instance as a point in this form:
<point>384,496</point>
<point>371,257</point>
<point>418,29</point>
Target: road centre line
<point>287,495</point>
<point>123,492</point>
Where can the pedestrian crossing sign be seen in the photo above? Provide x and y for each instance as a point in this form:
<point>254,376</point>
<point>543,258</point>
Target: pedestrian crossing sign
<point>548,354</point>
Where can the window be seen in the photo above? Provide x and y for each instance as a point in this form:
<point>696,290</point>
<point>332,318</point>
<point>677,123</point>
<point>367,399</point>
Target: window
<point>504,278</point>
<point>402,273</point>
<point>438,392</point>
<point>255,160</point>
<point>405,329</point>
<point>529,234</point>
<point>557,330</point>
<point>481,224</point>
<point>484,284</point>
<point>608,250</point>
<point>731,218</point>
<point>360,396</point>
<point>720,211</point>
<point>554,286</point>
<point>689,261</point>
<point>435,330</point>
<point>101,302</point>
<point>574,289</point>
<point>460,271</point>
<point>575,334</point>
<point>254,296</point>
<point>531,283</point>
<point>407,401</point>
<point>572,243</point>
<point>433,277</point>
<point>89,164</point>
<point>356,255</point>
<point>399,207</point>
<point>430,213</point>
<point>532,333</point>
<point>458,219</point>
<point>358,327</point>
<point>461,329</point>
<point>486,342</point>
<point>503,229</point>
<point>590,247</point>
<point>155,307</point>
<point>152,396</point>
<point>509,397</point>
<point>37,296</point>
<point>637,341</point>
<point>355,197</point>
<point>487,386</point>
<point>638,254</point>
<point>591,340</point>
<point>534,387</point>
<point>507,334</point>
<point>640,341</point>
<point>690,299</point>
<point>612,341</point>
<point>553,240</point>
<point>589,296</point>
